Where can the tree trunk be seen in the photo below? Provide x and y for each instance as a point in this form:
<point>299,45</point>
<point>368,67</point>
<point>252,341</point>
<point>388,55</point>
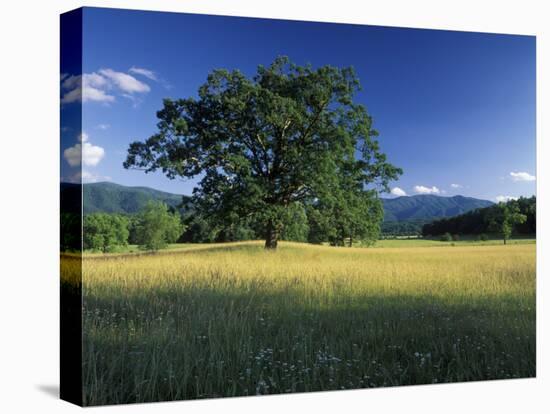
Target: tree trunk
<point>350,240</point>
<point>272,236</point>
<point>504,239</point>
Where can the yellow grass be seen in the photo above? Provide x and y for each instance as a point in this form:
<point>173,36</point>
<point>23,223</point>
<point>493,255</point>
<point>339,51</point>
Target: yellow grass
<point>232,319</point>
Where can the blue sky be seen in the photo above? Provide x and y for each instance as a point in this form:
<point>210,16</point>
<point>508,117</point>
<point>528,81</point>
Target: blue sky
<point>455,110</point>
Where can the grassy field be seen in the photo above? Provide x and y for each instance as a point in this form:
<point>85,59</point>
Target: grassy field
<point>431,243</point>
<point>233,319</point>
<point>403,242</point>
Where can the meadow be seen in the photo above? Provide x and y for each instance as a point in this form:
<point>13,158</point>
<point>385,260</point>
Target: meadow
<point>224,320</point>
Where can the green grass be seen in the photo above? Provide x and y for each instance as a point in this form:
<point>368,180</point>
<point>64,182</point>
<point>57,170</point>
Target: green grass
<point>435,243</point>
<point>233,319</point>
<point>403,242</point>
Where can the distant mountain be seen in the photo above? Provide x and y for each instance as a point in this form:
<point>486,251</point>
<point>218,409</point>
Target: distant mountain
<point>424,208</point>
<point>115,198</point>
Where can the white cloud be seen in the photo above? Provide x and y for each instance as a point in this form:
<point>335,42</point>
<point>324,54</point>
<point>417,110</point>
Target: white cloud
<point>504,198</point>
<point>83,152</point>
<point>73,154</point>
<point>74,95</point>
<point>100,87</point>
<point>143,72</point>
<point>88,87</point>
<point>91,154</point>
<point>149,74</point>
<point>90,94</point>
<point>126,83</point>
<point>420,189</point>
<point>94,80</point>
<point>456,186</point>
<point>103,126</point>
<point>398,191</point>
<point>522,176</point>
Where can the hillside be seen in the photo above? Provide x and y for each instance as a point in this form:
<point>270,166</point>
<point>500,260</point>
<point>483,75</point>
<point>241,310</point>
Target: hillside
<point>425,208</point>
<point>115,198</point>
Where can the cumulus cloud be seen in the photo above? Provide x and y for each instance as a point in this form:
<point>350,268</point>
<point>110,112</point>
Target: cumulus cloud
<point>126,83</point>
<point>83,152</point>
<point>88,87</point>
<point>90,94</point>
<point>101,86</point>
<point>420,189</point>
<point>504,198</point>
<point>456,186</point>
<point>522,176</point>
<point>73,154</point>
<point>143,72</point>
<point>398,191</point>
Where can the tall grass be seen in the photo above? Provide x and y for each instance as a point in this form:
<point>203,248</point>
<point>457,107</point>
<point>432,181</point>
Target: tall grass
<point>229,320</point>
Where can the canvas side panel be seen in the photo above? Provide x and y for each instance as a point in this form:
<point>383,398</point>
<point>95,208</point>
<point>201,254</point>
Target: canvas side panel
<point>71,207</point>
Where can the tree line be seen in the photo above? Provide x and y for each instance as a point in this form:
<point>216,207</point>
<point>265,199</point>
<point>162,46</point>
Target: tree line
<point>158,225</point>
<point>391,229</point>
<point>155,226</point>
<point>300,223</point>
<point>505,218</point>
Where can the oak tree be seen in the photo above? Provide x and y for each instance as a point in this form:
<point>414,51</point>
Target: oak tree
<point>289,134</point>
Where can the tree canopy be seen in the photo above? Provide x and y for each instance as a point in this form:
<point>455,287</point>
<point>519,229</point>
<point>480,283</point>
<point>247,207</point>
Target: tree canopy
<point>104,232</point>
<point>156,226</point>
<point>290,134</point>
<point>503,218</point>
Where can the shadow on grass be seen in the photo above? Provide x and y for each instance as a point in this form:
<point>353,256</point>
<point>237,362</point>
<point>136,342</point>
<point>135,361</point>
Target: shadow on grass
<point>204,343</point>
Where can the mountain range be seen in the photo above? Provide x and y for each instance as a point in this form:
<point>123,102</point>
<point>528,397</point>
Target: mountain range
<point>425,207</point>
<point>115,198</point>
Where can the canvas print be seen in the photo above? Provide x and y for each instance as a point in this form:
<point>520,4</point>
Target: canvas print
<point>258,206</point>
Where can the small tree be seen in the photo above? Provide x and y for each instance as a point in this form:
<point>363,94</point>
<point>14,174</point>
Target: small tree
<point>156,226</point>
<point>102,231</point>
<point>504,217</point>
